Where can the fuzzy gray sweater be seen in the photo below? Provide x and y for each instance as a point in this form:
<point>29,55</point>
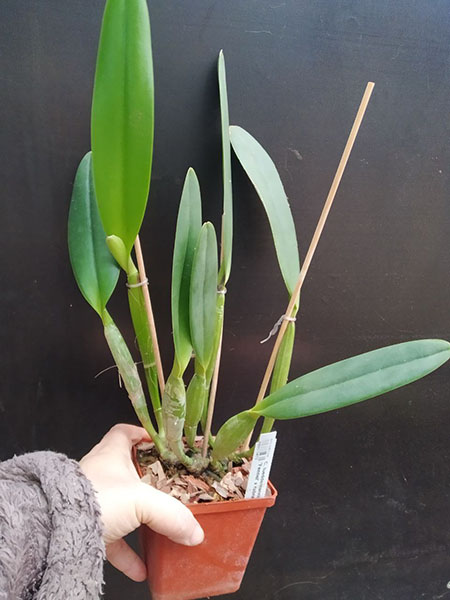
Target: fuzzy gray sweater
<point>51,544</point>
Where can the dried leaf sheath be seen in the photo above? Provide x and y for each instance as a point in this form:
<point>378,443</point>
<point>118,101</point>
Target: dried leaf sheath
<point>174,408</point>
<point>129,373</point>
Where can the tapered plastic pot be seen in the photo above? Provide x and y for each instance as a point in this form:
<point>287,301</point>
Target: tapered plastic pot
<point>216,566</point>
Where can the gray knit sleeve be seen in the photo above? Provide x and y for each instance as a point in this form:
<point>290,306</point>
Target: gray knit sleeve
<point>50,530</point>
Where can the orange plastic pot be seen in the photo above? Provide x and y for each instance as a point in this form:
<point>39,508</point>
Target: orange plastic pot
<point>216,566</point>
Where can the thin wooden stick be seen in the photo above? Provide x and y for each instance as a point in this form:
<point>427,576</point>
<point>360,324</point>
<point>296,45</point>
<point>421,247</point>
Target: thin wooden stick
<point>316,237</point>
<point>212,399</point>
<point>149,311</point>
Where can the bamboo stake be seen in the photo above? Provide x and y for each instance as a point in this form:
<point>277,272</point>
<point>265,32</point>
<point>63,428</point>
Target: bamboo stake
<point>212,399</point>
<point>316,237</point>
<point>149,311</point>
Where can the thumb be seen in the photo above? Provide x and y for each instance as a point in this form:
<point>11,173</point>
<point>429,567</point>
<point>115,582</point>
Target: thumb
<point>167,516</point>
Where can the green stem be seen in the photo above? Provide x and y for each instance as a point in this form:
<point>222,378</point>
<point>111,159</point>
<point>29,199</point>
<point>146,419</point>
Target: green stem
<point>266,426</point>
<point>196,398</point>
<point>131,379</point>
<point>282,367</point>
<point>142,330</point>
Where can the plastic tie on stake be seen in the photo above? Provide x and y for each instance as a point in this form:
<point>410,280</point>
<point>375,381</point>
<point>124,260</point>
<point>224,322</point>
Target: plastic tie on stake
<point>261,465</point>
<point>137,285</point>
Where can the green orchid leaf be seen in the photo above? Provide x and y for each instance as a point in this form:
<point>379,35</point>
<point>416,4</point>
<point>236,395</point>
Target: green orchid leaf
<point>203,295</point>
<point>227,217</point>
<point>95,270</point>
<point>188,228</point>
<point>266,180</point>
<point>355,379</point>
<point>122,118</point>
<point>233,434</point>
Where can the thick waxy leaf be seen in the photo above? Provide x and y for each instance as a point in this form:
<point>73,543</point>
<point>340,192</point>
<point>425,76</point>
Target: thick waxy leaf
<point>355,379</point>
<point>122,118</point>
<point>203,294</point>
<point>189,224</point>
<point>233,434</point>
<point>264,176</point>
<point>227,217</point>
<point>95,270</point>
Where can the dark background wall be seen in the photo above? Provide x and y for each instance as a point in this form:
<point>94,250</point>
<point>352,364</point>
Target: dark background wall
<point>364,504</point>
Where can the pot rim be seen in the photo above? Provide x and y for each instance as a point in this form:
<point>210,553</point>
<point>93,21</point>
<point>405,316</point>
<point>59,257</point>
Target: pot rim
<point>224,505</point>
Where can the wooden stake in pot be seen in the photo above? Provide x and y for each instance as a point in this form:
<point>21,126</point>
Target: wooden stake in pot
<point>150,317</point>
<point>315,240</point>
<point>212,399</point>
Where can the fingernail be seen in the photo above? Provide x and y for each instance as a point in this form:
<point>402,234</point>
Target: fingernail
<point>197,536</point>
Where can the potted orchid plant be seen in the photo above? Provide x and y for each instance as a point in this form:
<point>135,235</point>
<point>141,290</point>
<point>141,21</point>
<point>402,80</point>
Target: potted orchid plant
<point>107,209</point>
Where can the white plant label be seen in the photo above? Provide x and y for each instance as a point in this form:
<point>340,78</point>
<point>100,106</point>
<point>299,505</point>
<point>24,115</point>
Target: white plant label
<point>261,464</point>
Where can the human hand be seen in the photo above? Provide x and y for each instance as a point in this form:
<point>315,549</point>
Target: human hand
<point>125,502</point>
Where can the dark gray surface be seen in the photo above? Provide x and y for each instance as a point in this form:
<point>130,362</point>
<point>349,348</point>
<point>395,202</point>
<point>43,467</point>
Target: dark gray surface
<point>364,503</point>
